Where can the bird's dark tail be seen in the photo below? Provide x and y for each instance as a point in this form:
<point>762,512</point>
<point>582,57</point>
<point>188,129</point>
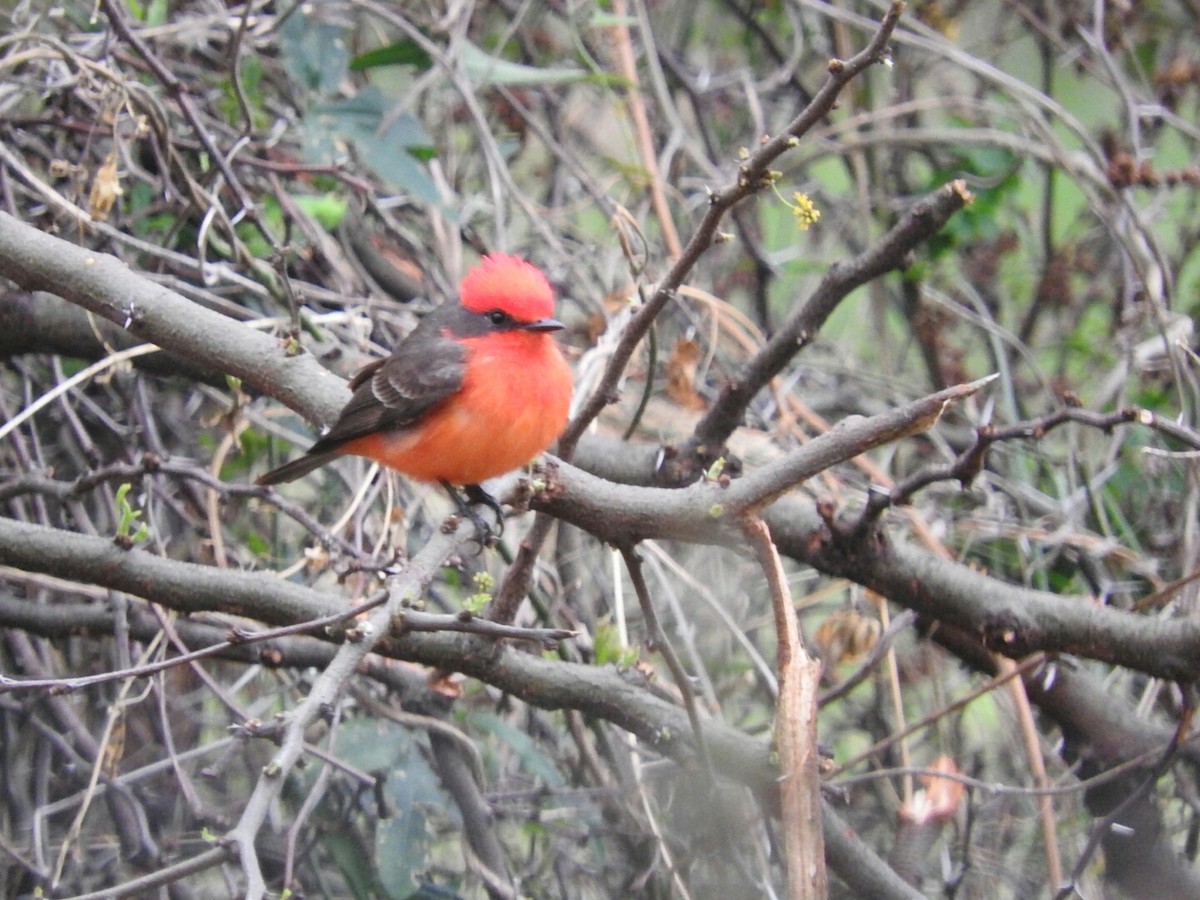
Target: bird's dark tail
<point>297,468</point>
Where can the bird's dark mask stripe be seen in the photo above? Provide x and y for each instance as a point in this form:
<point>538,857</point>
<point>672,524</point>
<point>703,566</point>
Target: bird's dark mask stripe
<point>463,323</point>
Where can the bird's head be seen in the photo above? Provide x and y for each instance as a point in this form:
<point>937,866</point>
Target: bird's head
<point>509,285</point>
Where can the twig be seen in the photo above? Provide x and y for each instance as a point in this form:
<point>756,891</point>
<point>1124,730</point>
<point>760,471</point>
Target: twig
<point>312,797</point>
<point>795,728</point>
<point>514,588</point>
<point>108,741</point>
<point>752,177</point>
<point>888,253</point>
<point>993,789</point>
<point>658,641</point>
<point>402,589</point>
<point>968,464</point>
<point>707,511</point>
<point>106,286</point>
<point>925,721</point>
<point>936,588</point>
<point>79,377</point>
<point>1105,824</point>
<point>176,90</point>
<point>457,766</point>
<point>1037,764</point>
<point>140,887</point>
<point>237,638</point>
<point>849,438</point>
<point>898,626</point>
<point>149,465</point>
<point>641,128</point>
<point>467,623</point>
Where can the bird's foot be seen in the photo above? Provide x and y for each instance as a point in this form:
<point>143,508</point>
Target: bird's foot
<point>477,496</point>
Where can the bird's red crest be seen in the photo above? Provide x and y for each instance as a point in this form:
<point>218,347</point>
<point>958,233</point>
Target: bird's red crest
<point>511,284</point>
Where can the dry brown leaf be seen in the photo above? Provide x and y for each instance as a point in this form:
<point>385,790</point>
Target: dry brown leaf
<point>939,798</point>
<point>846,636</point>
<point>681,375</point>
<point>106,188</point>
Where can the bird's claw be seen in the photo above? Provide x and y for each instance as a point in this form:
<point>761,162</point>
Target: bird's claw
<point>477,496</point>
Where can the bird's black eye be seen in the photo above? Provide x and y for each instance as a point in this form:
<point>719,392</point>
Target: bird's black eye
<point>498,318</point>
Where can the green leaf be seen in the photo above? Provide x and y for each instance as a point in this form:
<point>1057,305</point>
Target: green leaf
<point>373,745</point>
<point>251,80</point>
<point>327,209</point>
<point>127,517</point>
<point>607,647</point>
<point>352,862</point>
<point>387,144</point>
<point>402,53</point>
<point>314,53</point>
<point>257,544</point>
<point>402,842</point>
<point>484,69</point>
<point>256,244</point>
<point>152,14</point>
<point>402,170</point>
<point>401,849</point>
<point>533,760</point>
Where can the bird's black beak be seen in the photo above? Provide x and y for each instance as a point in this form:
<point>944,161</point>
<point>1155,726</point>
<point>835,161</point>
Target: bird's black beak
<point>544,325</point>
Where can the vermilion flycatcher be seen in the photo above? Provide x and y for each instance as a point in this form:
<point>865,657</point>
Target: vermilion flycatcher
<point>477,389</point>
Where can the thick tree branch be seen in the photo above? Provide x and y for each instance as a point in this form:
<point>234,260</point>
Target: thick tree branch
<point>707,511</point>
<point>799,676</point>
<point>44,323</point>
<point>1009,619</point>
<point>107,287</point>
<point>600,691</point>
<point>1012,620</point>
<point>191,588</point>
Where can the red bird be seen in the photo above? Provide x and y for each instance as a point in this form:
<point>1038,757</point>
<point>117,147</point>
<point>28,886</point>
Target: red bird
<point>478,389</point>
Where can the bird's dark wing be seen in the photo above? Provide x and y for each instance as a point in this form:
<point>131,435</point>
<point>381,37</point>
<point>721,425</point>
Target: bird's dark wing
<point>395,392</point>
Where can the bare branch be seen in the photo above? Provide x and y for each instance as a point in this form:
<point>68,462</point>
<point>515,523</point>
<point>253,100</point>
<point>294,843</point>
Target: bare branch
<point>403,589</point>
<point>890,252</point>
<point>702,512</point>
<point>752,175</point>
<point>795,728</point>
<point>107,287</point>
